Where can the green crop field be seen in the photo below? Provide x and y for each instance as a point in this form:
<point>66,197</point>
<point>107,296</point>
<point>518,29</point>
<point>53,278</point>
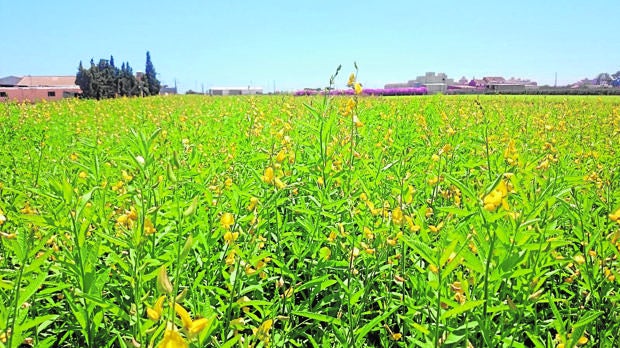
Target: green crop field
<point>317,221</point>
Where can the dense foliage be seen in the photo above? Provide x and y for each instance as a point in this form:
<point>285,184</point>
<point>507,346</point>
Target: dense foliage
<point>105,80</point>
<point>311,221</point>
<point>150,76</point>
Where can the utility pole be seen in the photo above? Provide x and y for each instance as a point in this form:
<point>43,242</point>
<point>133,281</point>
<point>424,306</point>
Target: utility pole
<point>556,80</point>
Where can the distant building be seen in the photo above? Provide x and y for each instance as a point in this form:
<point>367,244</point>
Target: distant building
<point>235,90</point>
<point>35,88</point>
<point>500,84</point>
<point>434,83</point>
<point>165,90</point>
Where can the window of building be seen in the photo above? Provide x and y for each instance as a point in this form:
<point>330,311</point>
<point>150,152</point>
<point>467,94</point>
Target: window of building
<point>51,93</point>
<point>3,95</point>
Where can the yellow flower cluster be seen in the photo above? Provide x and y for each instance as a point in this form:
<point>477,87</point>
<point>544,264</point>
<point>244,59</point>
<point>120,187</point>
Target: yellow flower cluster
<point>498,196</point>
<point>191,328</point>
<point>269,177</point>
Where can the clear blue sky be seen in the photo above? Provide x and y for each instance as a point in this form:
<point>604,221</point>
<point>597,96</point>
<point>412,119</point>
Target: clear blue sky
<point>299,44</point>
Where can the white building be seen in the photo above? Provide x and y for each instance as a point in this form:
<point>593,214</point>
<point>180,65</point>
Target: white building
<point>434,83</point>
<point>235,90</point>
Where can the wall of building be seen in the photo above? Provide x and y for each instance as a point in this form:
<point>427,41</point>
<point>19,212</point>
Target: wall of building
<point>33,94</point>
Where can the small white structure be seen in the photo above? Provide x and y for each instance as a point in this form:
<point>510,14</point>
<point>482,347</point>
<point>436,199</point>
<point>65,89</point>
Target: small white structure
<point>235,90</point>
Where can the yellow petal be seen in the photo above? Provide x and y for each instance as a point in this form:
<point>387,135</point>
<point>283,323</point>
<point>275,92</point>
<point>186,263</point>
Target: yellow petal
<point>172,339</point>
<point>268,175</point>
<point>227,220</point>
<point>182,313</point>
<point>197,326</point>
<point>153,314</point>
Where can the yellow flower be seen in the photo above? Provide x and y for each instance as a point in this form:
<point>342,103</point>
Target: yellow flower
<point>358,88</point>
<point>230,237</point>
<point>510,154</point>
<point>279,184</point>
<point>332,236</point>
<point>127,177</point>
<point>155,313</point>
<point>197,326</point>
<point>579,259</point>
<point>357,122</point>
<point>495,198</point>
<point>262,333</point>
<point>396,336</point>
<point>148,227</point>
<point>397,216</point>
<point>228,182</point>
<point>615,216</point>
<point>172,339</point>
<point>27,209</point>
<point>227,220</point>
<point>268,175</point>
<point>2,217</point>
<point>281,156</point>
<point>83,175</point>
<point>582,340</point>
<point>350,106</point>
<point>253,203</point>
<point>184,315</point>
<point>351,80</point>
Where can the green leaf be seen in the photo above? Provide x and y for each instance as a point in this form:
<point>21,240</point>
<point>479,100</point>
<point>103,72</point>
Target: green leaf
<point>36,321</point>
<point>461,309</point>
<point>231,343</point>
<point>319,317</point>
<point>461,186</point>
<point>422,249</point>
<point>32,288</point>
<point>535,339</point>
<point>373,324</point>
<point>587,319</point>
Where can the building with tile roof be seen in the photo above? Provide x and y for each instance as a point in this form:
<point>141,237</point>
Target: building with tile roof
<point>36,88</point>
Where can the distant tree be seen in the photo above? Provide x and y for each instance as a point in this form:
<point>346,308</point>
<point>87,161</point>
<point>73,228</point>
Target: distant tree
<point>615,79</point>
<point>83,78</point>
<point>152,85</point>
<point>129,83</point>
<point>105,80</point>
<point>603,79</point>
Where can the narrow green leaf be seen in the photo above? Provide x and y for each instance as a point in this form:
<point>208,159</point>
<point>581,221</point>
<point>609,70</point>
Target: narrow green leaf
<point>319,317</point>
<point>373,324</point>
<point>587,319</point>
<point>467,306</point>
<point>36,321</point>
<point>32,288</point>
<point>231,343</point>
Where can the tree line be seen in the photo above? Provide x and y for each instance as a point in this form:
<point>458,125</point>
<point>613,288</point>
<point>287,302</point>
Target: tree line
<point>106,80</point>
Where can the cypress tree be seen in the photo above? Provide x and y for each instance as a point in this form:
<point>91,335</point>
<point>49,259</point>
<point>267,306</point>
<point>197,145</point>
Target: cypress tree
<point>150,77</point>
